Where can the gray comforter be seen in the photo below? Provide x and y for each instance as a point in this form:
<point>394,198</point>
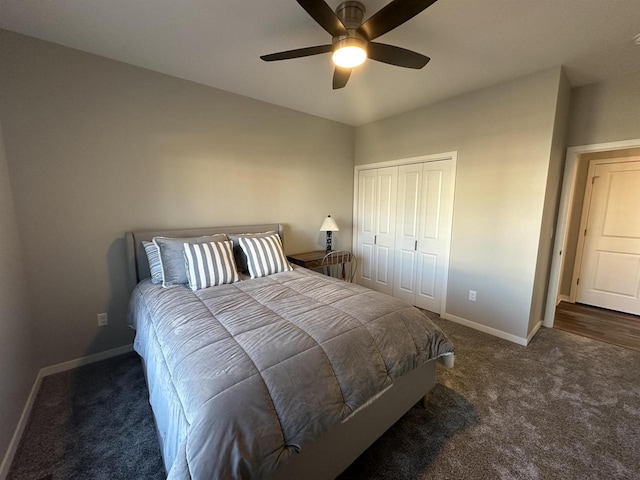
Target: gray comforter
<point>251,372</point>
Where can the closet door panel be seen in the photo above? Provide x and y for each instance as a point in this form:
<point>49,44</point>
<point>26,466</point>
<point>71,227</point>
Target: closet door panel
<point>386,204</point>
<point>404,284</point>
<point>427,266</point>
<point>407,230</point>
<point>366,230</point>
<point>383,281</point>
<point>366,259</point>
<point>384,240</point>
<point>432,205</point>
<point>434,234</point>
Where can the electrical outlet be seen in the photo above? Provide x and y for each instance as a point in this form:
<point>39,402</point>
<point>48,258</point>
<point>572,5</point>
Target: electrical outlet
<point>103,319</point>
<point>472,295</point>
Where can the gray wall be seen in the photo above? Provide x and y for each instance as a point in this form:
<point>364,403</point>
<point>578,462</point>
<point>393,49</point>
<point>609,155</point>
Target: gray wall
<point>605,112</point>
<point>552,197</point>
<point>97,147</point>
<point>503,136</point>
<point>17,369</point>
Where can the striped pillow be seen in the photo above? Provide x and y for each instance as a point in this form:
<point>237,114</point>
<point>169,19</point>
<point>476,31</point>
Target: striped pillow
<point>264,255</point>
<point>241,258</point>
<point>153,256</point>
<point>210,264</point>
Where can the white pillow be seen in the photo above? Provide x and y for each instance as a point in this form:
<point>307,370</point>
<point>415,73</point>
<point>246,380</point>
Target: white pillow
<point>210,264</point>
<point>264,255</point>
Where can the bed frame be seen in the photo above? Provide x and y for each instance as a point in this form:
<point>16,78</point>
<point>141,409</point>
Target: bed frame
<point>332,453</point>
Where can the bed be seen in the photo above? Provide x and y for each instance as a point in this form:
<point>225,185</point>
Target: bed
<point>291,375</point>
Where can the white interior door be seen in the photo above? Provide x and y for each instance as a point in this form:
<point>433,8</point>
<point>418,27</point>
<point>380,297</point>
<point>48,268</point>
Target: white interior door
<point>407,232</point>
<point>435,234</point>
<point>384,240</point>
<point>610,269</point>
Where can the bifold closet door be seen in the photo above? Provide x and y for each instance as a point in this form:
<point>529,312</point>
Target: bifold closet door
<point>377,193</point>
<point>422,233</point>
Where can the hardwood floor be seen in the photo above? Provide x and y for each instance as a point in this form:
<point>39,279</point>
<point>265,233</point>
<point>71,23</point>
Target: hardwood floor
<point>608,326</point>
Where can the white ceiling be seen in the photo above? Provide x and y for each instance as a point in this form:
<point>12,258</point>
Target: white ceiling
<point>472,44</point>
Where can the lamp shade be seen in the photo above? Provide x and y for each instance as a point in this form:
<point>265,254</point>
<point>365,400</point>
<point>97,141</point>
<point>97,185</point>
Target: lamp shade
<point>329,225</point>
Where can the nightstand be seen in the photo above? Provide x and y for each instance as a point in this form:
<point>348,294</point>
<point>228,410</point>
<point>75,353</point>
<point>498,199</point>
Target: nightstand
<point>320,258</point>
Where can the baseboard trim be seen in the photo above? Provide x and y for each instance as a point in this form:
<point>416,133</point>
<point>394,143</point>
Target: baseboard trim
<point>563,298</point>
<point>22,423</point>
<point>483,328</point>
<point>78,362</point>
<point>44,372</point>
<point>534,331</point>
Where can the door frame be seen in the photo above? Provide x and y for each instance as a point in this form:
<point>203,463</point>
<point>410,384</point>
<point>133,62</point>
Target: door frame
<point>451,156</point>
<point>565,208</point>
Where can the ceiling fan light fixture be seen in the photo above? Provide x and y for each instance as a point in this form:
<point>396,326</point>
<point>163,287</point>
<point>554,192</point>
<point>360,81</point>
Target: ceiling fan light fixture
<point>352,38</point>
<point>349,52</point>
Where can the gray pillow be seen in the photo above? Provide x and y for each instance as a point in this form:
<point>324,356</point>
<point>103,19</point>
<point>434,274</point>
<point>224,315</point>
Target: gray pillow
<point>172,260</point>
<point>153,256</point>
<point>238,253</point>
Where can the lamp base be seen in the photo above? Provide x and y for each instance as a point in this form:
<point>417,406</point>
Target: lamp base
<point>328,242</point>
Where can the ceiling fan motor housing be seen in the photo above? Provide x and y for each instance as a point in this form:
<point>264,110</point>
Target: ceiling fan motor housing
<point>350,14</point>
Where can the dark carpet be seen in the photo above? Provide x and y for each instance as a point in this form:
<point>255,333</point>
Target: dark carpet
<point>93,422</point>
<point>564,407</point>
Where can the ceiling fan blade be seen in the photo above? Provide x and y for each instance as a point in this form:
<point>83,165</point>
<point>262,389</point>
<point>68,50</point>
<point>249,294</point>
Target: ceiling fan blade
<point>400,57</point>
<point>341,77</point>
<point>297,53</point>
<point>326,18</point>
<point>392,15</point>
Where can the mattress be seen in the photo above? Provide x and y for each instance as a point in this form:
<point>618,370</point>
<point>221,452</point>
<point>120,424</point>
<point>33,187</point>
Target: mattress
<point>243,376</point>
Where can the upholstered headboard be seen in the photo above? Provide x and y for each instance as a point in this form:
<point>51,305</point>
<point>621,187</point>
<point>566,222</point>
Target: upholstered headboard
<point>137,258</point>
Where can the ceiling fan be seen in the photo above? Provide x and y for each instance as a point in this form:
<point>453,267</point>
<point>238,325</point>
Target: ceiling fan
<point>352,39</point>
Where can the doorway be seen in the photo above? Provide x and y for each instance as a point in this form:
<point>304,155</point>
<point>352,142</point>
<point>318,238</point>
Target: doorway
<point>570,208</point>
<point>606,273</point>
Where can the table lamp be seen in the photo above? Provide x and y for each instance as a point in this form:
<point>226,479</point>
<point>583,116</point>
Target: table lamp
<point>329,225</point>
